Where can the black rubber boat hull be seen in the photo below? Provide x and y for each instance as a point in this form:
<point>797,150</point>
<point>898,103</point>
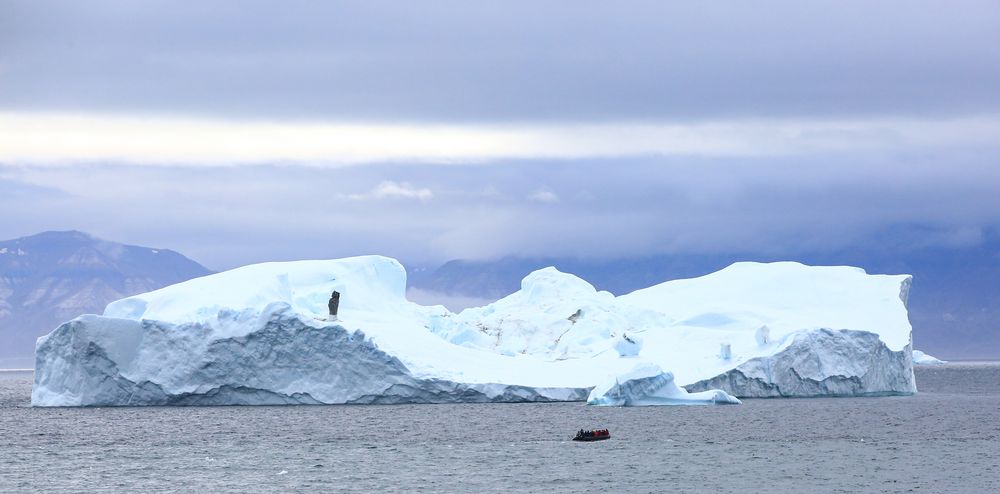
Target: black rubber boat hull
<point>597,438</point>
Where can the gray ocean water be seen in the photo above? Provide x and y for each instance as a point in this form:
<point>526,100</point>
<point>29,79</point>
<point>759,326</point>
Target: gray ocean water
<point>944,439</point>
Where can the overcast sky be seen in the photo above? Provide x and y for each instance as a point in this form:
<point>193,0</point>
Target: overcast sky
<point>237,132</point>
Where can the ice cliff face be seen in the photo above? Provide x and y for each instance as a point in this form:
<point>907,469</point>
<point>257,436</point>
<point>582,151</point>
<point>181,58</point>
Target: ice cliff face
<point>260,335</point>
<point>283,360</point>
<point>820,363</point>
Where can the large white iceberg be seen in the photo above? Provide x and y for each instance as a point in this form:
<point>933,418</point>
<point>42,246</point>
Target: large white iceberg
<point>260,335</point>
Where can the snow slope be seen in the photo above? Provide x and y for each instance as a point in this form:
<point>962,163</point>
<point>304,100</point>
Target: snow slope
<point>554,314</point>
<point>921,358</point>
<point>259,335</point>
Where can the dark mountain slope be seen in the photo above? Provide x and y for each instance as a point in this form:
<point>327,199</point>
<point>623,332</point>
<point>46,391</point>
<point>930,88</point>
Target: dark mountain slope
<point>51,277</point>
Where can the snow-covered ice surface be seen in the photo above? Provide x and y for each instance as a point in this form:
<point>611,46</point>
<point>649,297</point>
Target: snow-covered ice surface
<point>789,329</point>
<point>260,335</point>
<point>921,358</point>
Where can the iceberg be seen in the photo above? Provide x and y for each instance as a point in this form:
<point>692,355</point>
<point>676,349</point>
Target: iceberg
<point>646,385</point>
<point>921,358</point>
<point>262,335</point>
<point>752,329</point>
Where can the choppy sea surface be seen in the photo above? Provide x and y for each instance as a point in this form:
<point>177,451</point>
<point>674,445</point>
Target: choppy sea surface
<point>944,439</point>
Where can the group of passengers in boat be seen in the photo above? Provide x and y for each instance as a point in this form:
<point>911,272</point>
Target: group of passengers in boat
<point>595,433</point>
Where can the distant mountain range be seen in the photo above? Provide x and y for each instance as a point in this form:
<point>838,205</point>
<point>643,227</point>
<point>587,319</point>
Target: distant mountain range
<point>52,277</point>
<point>954,303</point>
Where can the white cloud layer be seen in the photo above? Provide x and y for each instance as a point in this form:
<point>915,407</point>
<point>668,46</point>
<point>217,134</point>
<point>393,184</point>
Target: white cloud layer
<point>395,190</point>
<point>32,138</point>
<point>543,195</point>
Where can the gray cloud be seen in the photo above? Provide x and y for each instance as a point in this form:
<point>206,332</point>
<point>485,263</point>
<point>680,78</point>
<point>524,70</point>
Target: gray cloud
<point>226,216</point>
<point>393,190</point>
<point>448,61</point>
<point>771,166</point>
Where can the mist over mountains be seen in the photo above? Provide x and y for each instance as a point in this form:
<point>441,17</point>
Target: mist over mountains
<point>52,277</point>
